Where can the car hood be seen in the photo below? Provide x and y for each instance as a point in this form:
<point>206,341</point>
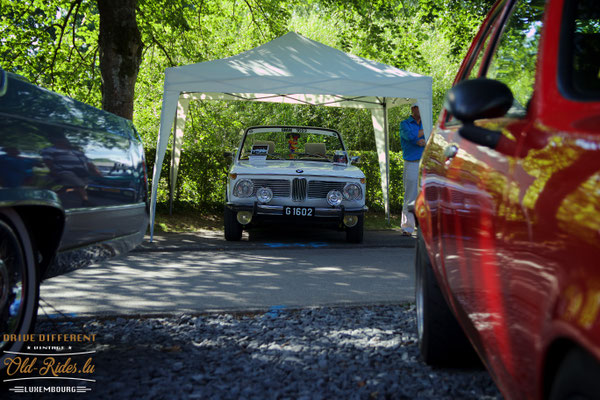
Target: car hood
<point>293,167</point>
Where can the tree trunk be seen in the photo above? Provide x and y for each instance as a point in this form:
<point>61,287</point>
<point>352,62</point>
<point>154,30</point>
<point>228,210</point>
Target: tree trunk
<point>120,45</point>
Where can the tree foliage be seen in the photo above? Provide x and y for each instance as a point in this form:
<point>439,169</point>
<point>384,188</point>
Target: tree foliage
<point>53,45</point>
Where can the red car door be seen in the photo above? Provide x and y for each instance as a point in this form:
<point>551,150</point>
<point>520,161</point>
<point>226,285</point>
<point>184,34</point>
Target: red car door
<point>479,191</point>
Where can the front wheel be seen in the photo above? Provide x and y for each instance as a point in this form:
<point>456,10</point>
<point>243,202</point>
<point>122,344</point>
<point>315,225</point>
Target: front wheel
<point>577,378</point>
<point>442,341</point>
<point>19,285</point>
<point>355,234</point>
<point>233,229</point>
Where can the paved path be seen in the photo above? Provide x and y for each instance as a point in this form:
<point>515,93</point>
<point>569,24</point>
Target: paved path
<point>200,272</point>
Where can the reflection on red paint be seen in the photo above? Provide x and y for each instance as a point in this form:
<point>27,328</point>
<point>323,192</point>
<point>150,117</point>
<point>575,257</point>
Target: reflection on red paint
<point>493,291</point>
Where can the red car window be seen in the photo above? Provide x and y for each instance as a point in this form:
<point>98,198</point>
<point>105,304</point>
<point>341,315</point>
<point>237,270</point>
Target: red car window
<point>514,59</point>
<point>475,58</point>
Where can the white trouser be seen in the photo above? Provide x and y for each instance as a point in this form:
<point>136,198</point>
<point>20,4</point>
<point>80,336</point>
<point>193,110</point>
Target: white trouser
<point>411,178</point>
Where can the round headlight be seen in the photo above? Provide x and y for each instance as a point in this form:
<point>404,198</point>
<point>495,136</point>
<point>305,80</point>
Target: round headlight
<point>352,192</point>
<point>334,197</point>
<point>264,195</point>
<point>243,188</point>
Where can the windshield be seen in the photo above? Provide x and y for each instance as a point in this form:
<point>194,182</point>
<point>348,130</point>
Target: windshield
<point>293,143</point>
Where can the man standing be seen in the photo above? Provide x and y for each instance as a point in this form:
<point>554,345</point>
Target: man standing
<point>413,142</point>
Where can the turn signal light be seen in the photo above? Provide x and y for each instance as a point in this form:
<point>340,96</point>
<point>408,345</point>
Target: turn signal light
<point>350,220</point>
<point>244,217</point>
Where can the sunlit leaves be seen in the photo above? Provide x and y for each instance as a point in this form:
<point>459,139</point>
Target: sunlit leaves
<point>52,45</point>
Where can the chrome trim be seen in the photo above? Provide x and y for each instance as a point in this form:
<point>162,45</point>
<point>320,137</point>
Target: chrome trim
<point>299,189</point>
<point>249,129</point>
<point>333,211</point>
<point>262,209</point>
<point>272,208</point>
<point>280,187</point>
<point>319,189</point>
<point>75,211</point>
<point>267,207</point>
<point>306,175</point>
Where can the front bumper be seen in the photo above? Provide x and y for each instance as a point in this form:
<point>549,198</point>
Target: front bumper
<point>277,211</point>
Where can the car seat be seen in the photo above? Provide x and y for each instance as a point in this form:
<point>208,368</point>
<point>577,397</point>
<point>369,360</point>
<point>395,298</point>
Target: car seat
<point>270,143</point>
<point>315,148</point>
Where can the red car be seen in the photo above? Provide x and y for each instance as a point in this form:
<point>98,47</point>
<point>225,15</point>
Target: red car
<point>508,253</point>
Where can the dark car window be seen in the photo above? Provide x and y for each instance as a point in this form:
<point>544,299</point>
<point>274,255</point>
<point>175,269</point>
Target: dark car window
<point>514,59</point>
<point>580,50</point>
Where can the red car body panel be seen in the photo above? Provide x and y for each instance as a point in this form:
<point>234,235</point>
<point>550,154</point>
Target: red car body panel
<point>513,234</point>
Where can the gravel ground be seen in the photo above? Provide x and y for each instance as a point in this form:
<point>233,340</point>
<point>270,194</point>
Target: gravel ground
<point>319,353</point>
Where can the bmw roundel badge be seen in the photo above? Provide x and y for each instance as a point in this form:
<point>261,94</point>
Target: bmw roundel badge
<point>299,171</point>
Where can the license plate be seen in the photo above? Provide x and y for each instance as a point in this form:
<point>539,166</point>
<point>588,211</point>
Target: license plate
<point>299,211</point>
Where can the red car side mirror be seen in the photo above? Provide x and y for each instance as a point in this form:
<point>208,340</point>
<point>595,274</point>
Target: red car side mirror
<point>477,99</point>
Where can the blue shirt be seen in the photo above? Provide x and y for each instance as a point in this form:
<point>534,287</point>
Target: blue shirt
<point>409,136</point>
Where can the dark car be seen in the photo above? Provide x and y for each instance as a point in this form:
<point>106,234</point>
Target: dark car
<point>73,190</point>
<point>509,206</point>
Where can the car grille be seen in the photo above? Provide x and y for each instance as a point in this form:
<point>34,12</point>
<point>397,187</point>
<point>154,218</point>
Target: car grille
<point>280,187</point>
<point>298,189</point>
<point>319,189</point>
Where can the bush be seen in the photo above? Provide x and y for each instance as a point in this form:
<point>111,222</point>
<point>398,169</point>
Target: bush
<point>203,175</point>
<point>369,164</point>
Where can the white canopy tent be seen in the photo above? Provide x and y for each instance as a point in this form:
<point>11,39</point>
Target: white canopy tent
<point>294,70</point>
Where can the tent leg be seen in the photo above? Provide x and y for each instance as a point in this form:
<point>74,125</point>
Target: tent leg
<point>386,130</point>
<point>171,186</point>
<point>171,196</point>
<point>182,110</point>
<point>382,142</point>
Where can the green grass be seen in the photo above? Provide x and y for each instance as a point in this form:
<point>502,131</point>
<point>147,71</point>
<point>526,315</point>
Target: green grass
<point>189,220</point>
<point>377,221</point>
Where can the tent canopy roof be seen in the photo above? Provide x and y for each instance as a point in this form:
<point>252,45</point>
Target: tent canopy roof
<point>293,66</point>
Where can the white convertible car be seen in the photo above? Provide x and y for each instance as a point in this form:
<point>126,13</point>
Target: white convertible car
<point>294,175</point>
